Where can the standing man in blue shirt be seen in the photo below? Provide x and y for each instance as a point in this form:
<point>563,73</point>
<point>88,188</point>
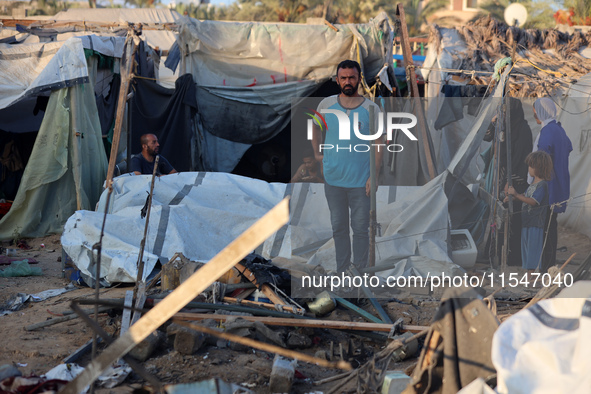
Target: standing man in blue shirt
<point>346,165</point>
<point>143,163</point>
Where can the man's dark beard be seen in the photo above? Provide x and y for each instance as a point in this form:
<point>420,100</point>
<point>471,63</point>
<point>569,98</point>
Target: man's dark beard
<point>349,90</point>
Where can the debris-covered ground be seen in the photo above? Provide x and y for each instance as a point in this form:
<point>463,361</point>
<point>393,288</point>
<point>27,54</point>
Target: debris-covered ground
<point>37,351</point>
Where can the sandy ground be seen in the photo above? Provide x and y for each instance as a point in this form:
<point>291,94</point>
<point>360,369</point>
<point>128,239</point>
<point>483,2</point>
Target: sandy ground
<point>36,352</point>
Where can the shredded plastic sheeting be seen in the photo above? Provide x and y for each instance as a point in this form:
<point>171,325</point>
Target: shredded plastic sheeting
<point>50,190</point>
<point>198,214</point>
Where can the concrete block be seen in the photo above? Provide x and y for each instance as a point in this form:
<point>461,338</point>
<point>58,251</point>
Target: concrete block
<point>143,350</point>
<point>186,340</point>
<point>395,382</point>
<point>282,375</point>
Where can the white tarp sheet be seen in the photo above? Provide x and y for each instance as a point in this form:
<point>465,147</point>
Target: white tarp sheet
<point>106,15</point>
<point>545,348</point>
<point>28,69</point>
<point>198,214</point>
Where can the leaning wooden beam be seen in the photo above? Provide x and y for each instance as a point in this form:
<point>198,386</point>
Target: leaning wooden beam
<point>125,81</point>
<point>282,321</point>
<point>268,347</point>
<point>187,291</point>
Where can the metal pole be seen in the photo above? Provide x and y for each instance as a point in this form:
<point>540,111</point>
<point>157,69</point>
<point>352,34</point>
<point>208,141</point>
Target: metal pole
<point>414,89</point>
<point>372,193</point>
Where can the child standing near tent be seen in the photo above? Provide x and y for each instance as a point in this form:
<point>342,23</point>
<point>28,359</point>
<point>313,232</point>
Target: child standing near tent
<point>535,209</point>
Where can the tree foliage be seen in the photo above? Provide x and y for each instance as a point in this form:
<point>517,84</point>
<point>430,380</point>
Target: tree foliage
<point>298,11</point>
<point>578,12</point>
<point>540,12</point>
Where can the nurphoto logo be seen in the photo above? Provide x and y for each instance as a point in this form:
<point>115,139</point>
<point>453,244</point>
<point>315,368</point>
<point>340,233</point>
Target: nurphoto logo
<point>345,129</point>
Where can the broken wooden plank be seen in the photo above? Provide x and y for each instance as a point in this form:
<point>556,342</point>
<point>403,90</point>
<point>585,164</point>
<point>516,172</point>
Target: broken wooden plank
<point>258,303</point>
<point>269,348</point>
<point>289,322</point>
<point>411,77</point>
<point>187,291</point>
<point>265,288</point>
<point>126,317</point>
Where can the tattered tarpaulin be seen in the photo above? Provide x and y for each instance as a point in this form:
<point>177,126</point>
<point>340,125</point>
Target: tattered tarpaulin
<point>49,188</point>
<point>257,53</point>
<point>198,214</point>
<point>249,115</point>
<point>168,114</point>
<point>26,70</point>
<point>545,348</point>
<point>195,213</point>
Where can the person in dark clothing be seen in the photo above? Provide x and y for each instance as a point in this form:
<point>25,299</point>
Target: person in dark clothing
<point>143,163</point>
<point>554,141</point>
<point>521,146</point>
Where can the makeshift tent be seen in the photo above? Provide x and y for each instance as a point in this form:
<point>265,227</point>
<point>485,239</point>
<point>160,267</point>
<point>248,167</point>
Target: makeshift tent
<point>198,214</point>
<point>549,63</point>
<point>248,73</point>
<point>68,162</point>
<point>158,29</point>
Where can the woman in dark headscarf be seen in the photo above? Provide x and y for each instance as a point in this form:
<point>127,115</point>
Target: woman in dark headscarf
<point>521,146</point>
<point>554,141</point>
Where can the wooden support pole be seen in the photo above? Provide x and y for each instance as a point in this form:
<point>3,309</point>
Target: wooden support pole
<point>411,77</point>
<point>75,141</point>
<point>187,291</point>
<point>126,68</point>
